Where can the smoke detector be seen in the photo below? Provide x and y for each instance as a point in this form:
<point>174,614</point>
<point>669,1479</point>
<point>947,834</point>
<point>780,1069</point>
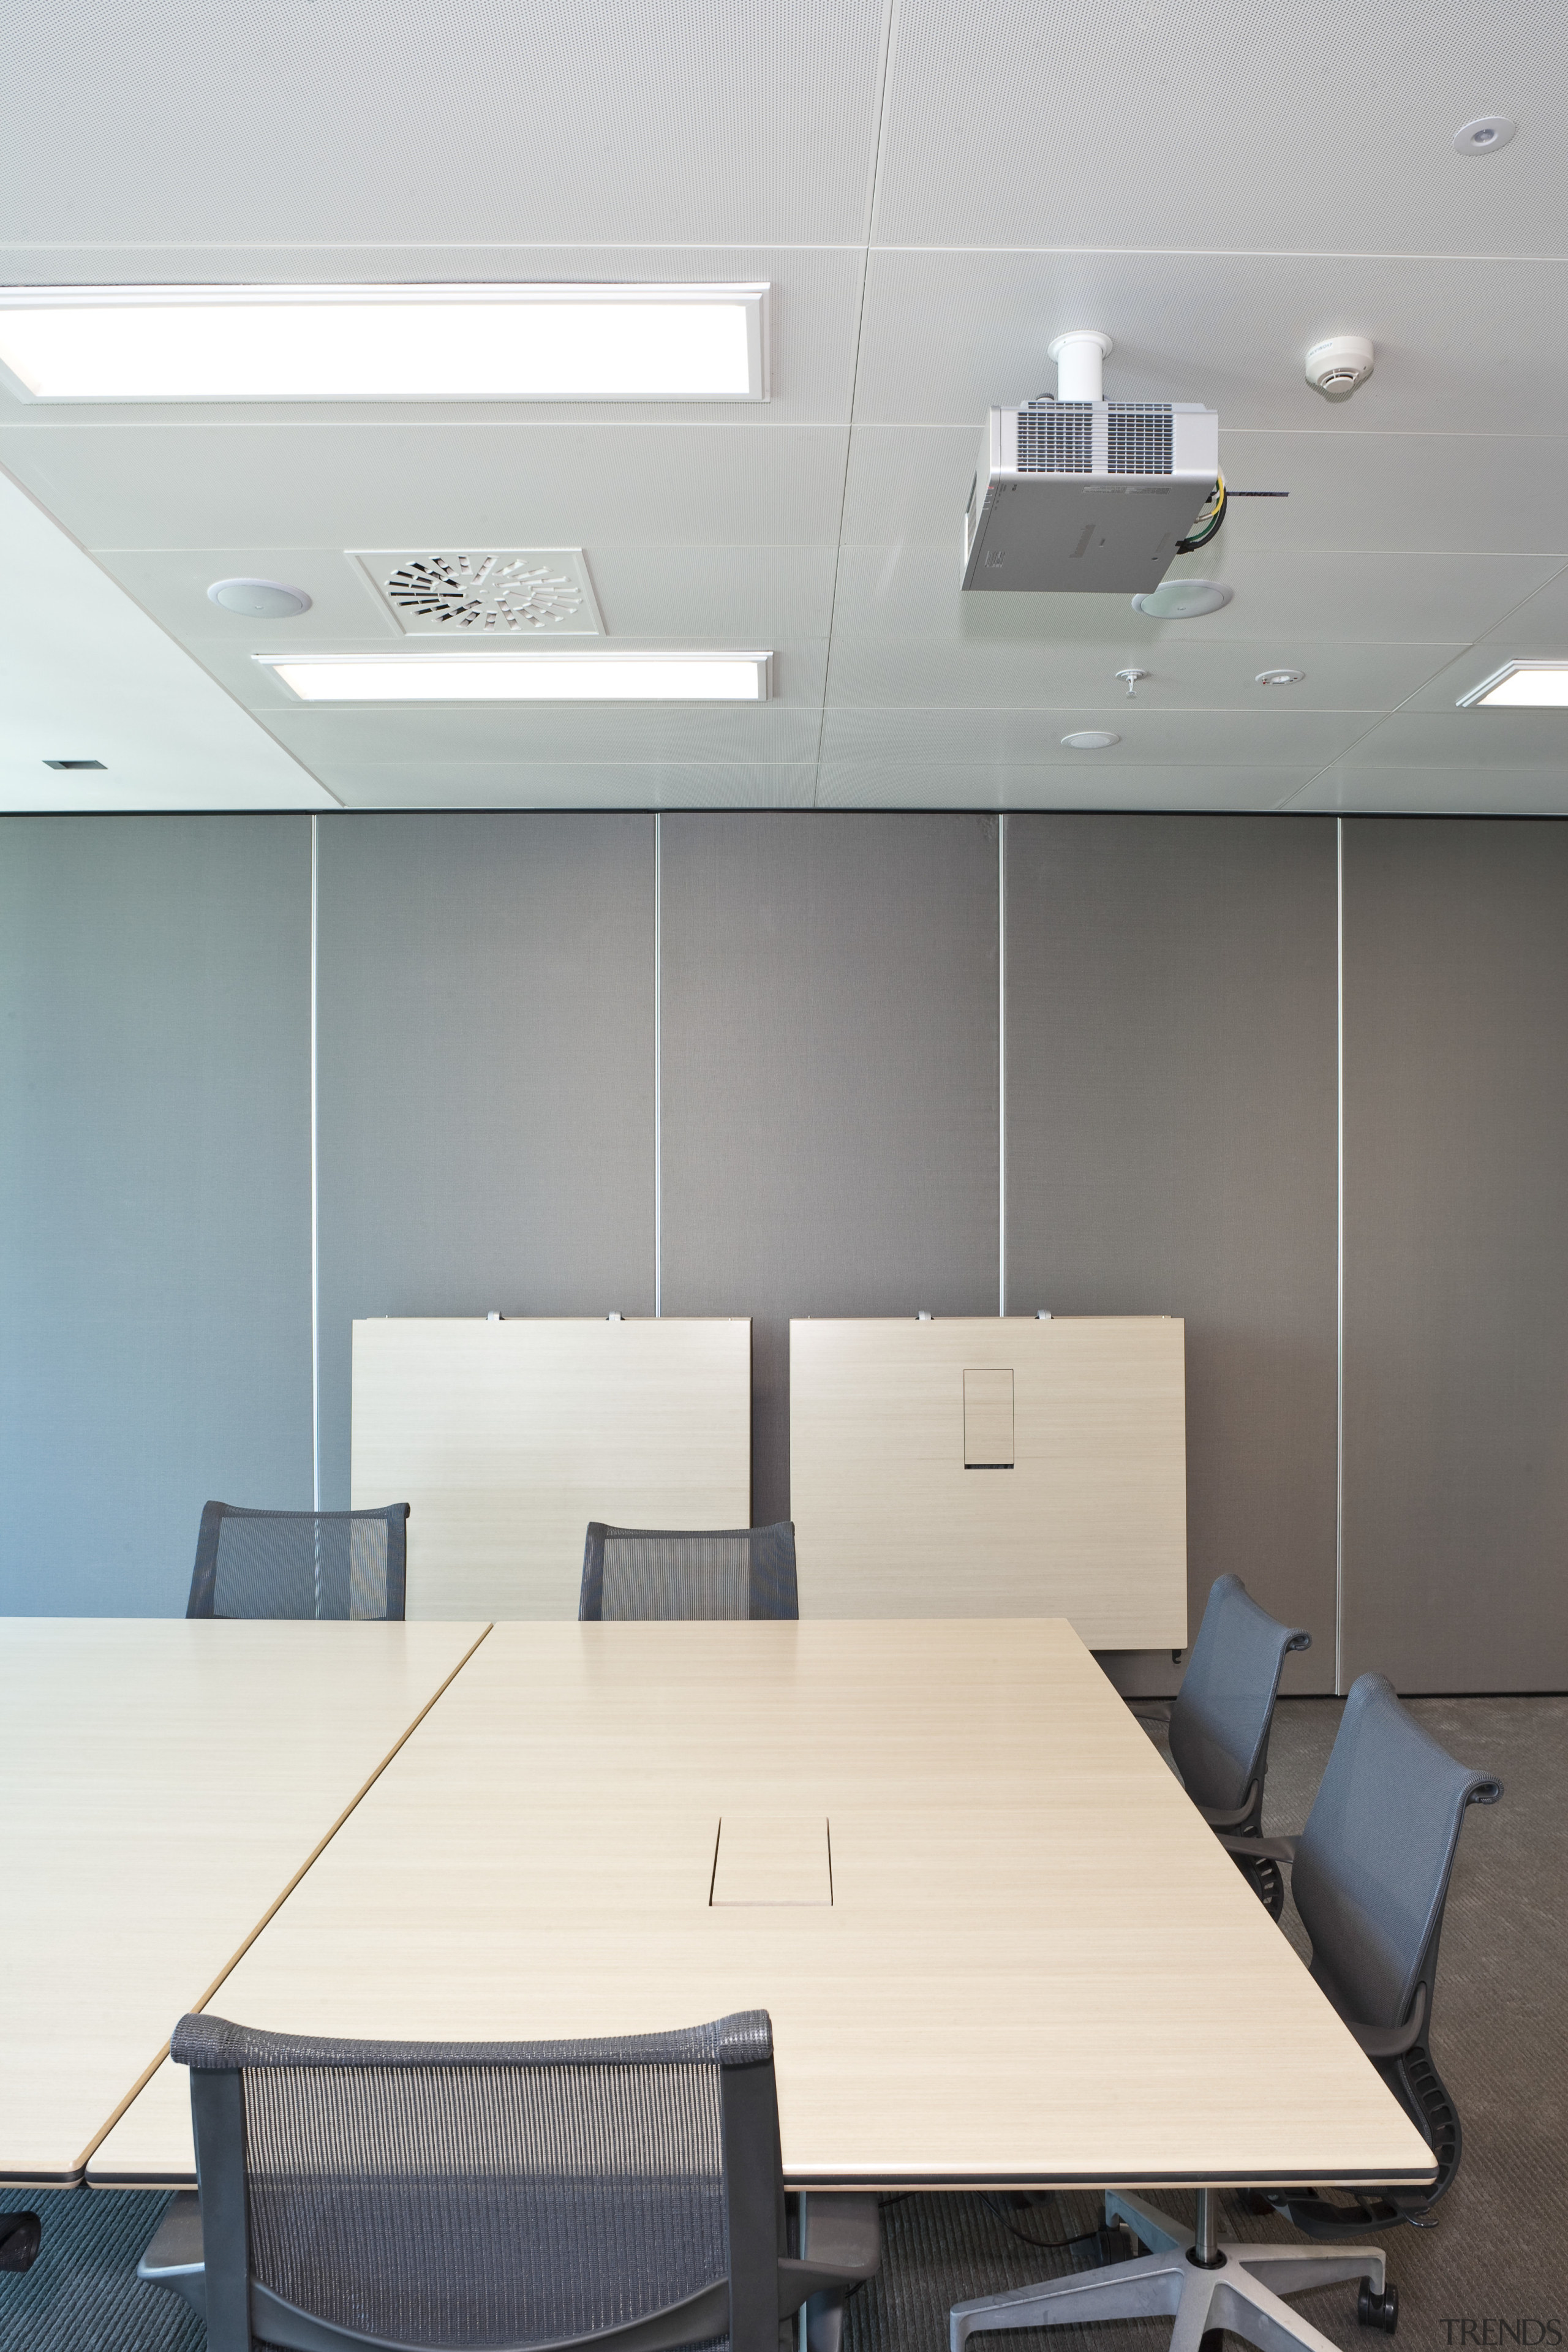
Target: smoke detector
<point>509,594</point>
<point>1335,367</point>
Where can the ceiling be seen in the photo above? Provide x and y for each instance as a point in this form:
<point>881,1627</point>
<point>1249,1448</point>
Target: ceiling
<point>934,192</point>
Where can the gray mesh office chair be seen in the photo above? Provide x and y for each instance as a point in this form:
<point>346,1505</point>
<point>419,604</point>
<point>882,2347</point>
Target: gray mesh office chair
<point>689,1572</point>
<point>299,1563</point>
<point>1221,1718</point>
<point>623,2193</point>
<point>1370,1875</point>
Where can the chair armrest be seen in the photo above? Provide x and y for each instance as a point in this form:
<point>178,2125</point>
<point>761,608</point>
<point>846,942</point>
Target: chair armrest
<point>1393,2041</point>
<point>176,2258</point>
<point>1259,1848</point>
<point>843,2246</point>
<point>1234,1819</point>
<point>845,2231</point>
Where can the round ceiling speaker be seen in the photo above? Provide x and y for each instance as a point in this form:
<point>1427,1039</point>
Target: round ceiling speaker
<point>1090,738</point>
<point>259,600</point>
<point>1181,600</point>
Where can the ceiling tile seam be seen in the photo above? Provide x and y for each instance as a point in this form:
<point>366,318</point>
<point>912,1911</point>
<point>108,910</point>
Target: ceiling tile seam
<point>234,422</point>
<point>1176,253</point>
<point>848,432</point>
<point>673,244</point>
<point>1328,434</point>
<point>889,13</point>
<point>1517,607</point>
<point>121,589</point>
<point>1275,718</point>
<point>475,245</point>
<point>1367,734</point>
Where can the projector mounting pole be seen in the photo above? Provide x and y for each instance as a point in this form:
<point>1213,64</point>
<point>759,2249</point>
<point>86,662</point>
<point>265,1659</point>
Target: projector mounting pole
<point>1081,358</point>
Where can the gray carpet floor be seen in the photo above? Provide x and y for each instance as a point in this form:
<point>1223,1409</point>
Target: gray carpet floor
<point>1499,2257</point>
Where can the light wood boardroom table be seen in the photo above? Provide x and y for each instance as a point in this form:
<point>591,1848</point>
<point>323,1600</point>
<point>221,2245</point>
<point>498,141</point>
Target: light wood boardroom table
<point>998,1945</point>
<point>165,1784</point>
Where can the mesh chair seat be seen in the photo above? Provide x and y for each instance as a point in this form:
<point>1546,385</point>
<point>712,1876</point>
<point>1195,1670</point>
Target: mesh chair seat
<point>665,1572</point>
<point>509,2195</point>
<point>288,1564</point>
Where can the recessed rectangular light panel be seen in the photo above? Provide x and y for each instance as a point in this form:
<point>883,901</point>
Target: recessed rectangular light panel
<point>523,677</point>
<point>1521,686</point>
<point>385,343</point>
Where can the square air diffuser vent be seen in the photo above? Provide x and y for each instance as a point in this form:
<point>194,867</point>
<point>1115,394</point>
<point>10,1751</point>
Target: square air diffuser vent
<point>511,595</point>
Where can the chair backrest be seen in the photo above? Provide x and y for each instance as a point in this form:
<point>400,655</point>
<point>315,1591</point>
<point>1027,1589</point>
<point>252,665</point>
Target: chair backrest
<point>299,1563</point>
<point>680,1572</point>
<point>1222,1714</point>
<point>1370,1873</point>
<point>498,2194</point>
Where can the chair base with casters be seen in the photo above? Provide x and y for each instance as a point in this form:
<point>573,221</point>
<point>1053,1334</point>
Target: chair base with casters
<point>1422,2092</point>
<point>1203,2283</point>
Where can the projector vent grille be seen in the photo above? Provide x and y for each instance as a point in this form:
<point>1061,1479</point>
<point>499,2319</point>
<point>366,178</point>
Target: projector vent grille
<point>1139,436</point>
<point>1057,437</point>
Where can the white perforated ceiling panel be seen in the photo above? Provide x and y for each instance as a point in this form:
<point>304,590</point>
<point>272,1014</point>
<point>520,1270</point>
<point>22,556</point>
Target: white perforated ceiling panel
<point>933,191</point>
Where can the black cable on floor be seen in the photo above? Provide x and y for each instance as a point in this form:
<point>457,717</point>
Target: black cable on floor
<point>1044,2245</point>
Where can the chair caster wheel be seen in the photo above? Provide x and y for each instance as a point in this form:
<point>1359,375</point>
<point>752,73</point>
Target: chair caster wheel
<point>1255,2203</point>
<point>1378,2310</point>
<point>20,2235</point>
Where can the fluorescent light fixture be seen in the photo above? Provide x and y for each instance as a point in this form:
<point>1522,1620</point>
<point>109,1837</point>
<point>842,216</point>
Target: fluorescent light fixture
<point>385,343</point>
<point>522,676</point>
<point>1521,686</point>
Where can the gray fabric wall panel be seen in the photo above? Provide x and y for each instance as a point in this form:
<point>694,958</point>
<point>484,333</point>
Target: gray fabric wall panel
<point>485,1075</point>
<point>1456,1441</point>
<point>830,1080</point>
<point>1170,1150</point>
<point>154,1196</point>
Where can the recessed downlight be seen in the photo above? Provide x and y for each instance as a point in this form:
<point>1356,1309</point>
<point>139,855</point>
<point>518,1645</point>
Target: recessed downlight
<point>486,677</point>
<point>1487,132</point>
<point>1279,677</point>
<point>1181,600</point>
<point>1521,686</point>
<point>1090,738</point>
<point>385,343</point>
<point>259,600</point>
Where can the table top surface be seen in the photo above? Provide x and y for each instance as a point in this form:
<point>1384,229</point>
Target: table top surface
<point>1027,1961</point>
<point>166,1782</point>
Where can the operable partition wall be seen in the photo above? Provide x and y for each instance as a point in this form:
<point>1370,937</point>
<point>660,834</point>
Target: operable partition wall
<point>881,1064</point>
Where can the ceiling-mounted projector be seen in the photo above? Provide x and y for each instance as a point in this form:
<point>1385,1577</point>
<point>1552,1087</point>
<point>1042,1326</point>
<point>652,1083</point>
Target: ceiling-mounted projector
<point>1081,492</point>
